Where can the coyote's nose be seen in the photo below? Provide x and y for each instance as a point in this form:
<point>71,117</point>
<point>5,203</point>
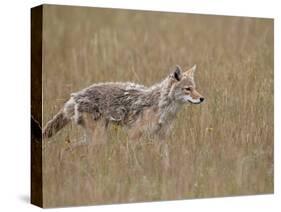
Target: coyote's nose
<point>201,99</point>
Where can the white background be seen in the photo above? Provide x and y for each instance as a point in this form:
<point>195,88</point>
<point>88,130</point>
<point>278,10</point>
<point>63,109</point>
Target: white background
<point>15,102</point>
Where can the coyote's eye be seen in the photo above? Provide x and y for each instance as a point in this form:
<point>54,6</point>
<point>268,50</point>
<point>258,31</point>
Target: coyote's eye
<point>187,88</point>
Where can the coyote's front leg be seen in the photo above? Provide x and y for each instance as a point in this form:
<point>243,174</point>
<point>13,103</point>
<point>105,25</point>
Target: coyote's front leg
<point>163,148</point>
<point>95,131</point>
<point>165,155</point>
<point>158,135</point>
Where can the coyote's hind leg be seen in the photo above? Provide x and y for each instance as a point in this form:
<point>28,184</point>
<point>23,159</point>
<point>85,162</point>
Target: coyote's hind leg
<point>95,130</point>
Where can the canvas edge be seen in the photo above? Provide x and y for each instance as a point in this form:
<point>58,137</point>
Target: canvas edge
<point>157,11</point>
<point>36,189</point>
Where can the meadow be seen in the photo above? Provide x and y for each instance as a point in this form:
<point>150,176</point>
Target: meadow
<point>223,147</point>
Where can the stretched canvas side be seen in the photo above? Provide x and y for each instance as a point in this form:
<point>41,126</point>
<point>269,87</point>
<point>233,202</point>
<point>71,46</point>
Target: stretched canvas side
<point>36,106</point>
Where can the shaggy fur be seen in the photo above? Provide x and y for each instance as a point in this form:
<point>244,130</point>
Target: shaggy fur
<point>138,108</point>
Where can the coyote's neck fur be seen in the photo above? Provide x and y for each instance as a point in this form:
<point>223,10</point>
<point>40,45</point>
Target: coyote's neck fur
<point>167,106</point>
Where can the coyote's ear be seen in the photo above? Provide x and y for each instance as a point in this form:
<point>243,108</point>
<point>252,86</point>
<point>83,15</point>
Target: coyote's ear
<point>177,73</point>
<point>190,72</point>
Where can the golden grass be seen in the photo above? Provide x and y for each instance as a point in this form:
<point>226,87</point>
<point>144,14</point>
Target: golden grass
<point>223,147</point>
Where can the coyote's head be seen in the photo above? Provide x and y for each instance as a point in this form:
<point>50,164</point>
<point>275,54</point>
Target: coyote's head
<point>183,86</point>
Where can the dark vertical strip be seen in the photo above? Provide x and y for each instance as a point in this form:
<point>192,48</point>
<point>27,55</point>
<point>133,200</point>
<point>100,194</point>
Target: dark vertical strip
<point>36,106</point>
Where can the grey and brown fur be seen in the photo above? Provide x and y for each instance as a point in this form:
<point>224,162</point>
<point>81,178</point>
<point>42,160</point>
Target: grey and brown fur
<point>138,108</point>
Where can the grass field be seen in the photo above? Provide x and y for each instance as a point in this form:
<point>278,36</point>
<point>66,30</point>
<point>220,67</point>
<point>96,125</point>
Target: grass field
<point>222,147</point>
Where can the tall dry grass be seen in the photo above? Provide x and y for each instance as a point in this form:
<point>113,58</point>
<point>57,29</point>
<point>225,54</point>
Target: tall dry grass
<point>223,147</point>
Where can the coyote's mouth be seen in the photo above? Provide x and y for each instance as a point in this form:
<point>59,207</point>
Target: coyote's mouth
<point>195,103</point>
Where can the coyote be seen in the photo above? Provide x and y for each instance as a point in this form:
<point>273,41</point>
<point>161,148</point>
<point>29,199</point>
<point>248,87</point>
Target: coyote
<point>139,109</point>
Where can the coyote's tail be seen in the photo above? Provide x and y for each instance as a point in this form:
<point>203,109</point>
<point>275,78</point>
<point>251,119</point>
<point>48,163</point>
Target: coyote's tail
<point>60,120</point>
